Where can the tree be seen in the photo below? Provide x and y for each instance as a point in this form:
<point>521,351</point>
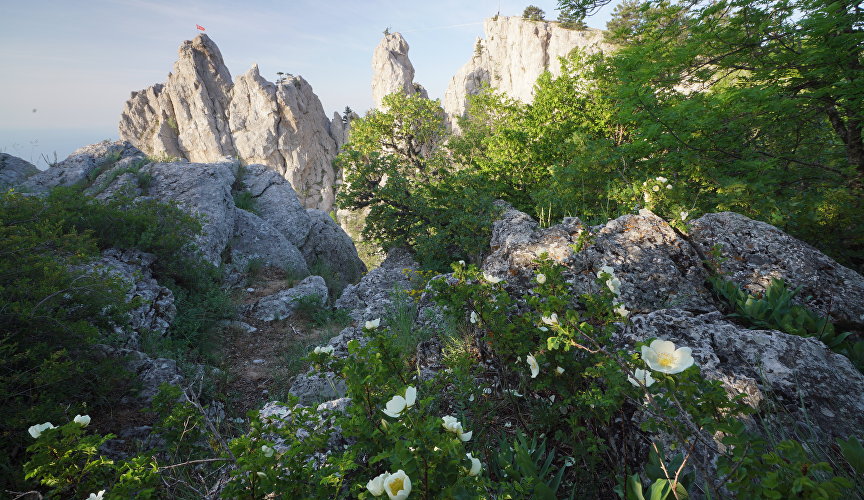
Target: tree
<point>625,21</point>
<point>533,13</point>
<point>571,20</point>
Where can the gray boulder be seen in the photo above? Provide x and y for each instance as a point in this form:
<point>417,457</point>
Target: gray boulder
<point>150,372</point>
<point>14,170</point>
<point>82,166</point>
<point>255,239</point>
<point>327,243</point>
<point>756,252</point>
<point>370,298</point>
<point>282,305</point>
<point>276,202</point>
<point>157,309</point>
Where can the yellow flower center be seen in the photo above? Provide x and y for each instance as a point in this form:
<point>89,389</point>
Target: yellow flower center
<point>665,359</point>
<point>396,485</point>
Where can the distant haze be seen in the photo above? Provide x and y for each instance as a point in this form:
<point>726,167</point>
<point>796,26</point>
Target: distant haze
<point>70,66</point>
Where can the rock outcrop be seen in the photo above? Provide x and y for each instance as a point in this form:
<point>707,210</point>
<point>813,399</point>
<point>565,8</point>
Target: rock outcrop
<point>199,115</point>
<point>392,71</point>
<point>513,55</point>
<point>81,166</point>
<point>14,170</point>
<point>282,305</point>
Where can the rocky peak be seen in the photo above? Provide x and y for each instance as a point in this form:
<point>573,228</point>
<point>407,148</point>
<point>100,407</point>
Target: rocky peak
<point>392,70</point>
<point>513,55</point>
<point>199,115</point>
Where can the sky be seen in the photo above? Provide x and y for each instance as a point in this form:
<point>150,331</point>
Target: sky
<point>69,65</point>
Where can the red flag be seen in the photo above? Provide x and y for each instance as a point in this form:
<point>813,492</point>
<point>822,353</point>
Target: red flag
<point>200,27</point>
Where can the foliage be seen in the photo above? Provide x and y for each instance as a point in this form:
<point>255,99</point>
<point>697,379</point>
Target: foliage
<point>533,13</point>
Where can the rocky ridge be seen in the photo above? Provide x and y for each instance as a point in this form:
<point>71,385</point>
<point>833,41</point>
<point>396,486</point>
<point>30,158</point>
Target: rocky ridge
<point>392,70</point>
<point>198,114</point>
<point>513,55</point>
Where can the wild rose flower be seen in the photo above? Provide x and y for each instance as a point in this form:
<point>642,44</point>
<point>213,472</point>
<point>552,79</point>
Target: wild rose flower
<point>655,188</point>
<point>662,356</point>
<point>643,376</point>
<point>96,496</point>
<point>82,420</point>
<point>376,485</point>
<point>476,466</point>
<point>668,186</point>
<point>661,179</point>
<point>268,451</point>
<point>552,319</point>
<point>559,370</point>
<point>397,404</point>
<point>397,485</point>
<point>491,279</point>
<point>532,362</point>
<point>375,323</point>
<point>622,311</point>
<point>684,215</point>
<point>328,349</point>
<point>473,316</point>
<point>38,429</point>
<point>450,424</point>
<point>541,278</point>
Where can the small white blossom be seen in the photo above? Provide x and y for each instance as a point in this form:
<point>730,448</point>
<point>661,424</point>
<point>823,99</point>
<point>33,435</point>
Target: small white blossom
<point>462,263</point>
<point>397,404</point>
<point>622,311</point>
<point>476,466</point>
<point>397,485</point>
<point>491,279</point>
<point>375,323</point>
<point>36,430</point>
<point>684,215</point>
<point>376,485</point>
<point>643,376</point>
<point>662,356</point>
<point>268,451</point>
<point>552,319</point>
<point>541,278</point>
<point>655,188</point>
<point>328,349</point>
<point>559,370</point>
<point>261,474</point>
<point>661,179</point>
<point>473,316</point>
<point>532,362</point>
<point>647,197</point>
<point>450,424</point>
<point>82,420</point>
<point>668,186</point>
<point>96,496</point>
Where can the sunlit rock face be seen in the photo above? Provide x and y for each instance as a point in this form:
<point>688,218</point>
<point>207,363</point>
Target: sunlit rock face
<point>198,114</point>
<point>392,70</point>
<point>513,55</point>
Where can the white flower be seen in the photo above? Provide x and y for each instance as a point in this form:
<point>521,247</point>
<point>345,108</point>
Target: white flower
<point>397,405</point>
<point>552,319</point>
<point>569,461</point>
<point>397,485</point>
<point>96,496</point>
<point>684,215</point>
<point>535,368</point>
<point>661,180</point>
<point>371,325</point>
<point>643,376</point>
<point>491,279</point>
<point>662,356</point>
<point>450,424</point>
<point>328,349</point>
<point>655,188</point>
<point>646,197</point>
<point>82,420</point>
<point>473,316</point>
<point>476,466</point>
<point>487,390</point>
<point>622,311</point>
<point>543,329</point>
<point>668,186</point>
<point>559,370</point>
<point>376,486</point>
<point>36,430</point>
<point>606,269</point>
<point>462,263</point>
<point>261,474</point>
<point>471,398</point>
<point>268,451</point>
<point>541,278</point>
<point>508,424</point>
<point>614,285</point>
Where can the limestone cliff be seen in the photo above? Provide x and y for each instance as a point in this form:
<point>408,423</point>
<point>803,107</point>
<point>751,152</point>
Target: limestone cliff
<point>511,57</point>
<point>199,115</point>
<point>392,70</point>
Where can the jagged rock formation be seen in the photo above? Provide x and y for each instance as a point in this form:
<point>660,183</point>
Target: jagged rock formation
<point>514,53</point>
<point>14,170</point>
<point>392,71</point>
<point>199,115</point>
<point>276,230</point>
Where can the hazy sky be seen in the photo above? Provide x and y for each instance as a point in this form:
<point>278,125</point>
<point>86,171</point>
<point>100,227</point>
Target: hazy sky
<point>69,65</point>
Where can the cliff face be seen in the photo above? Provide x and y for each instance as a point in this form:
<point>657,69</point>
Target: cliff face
<point>199,115</point>
<point>392,70</point>
<point>513,55</point>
